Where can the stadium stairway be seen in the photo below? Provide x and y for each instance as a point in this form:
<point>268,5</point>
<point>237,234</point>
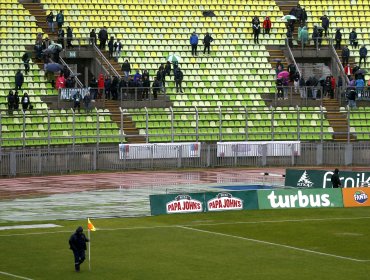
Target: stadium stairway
<point>128,125</point>
<point>337,121</point>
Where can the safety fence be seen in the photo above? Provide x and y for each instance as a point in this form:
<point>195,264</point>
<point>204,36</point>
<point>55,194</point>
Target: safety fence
<point>39,161</point>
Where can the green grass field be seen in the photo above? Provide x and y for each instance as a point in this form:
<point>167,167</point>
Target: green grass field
<point>263,244</point>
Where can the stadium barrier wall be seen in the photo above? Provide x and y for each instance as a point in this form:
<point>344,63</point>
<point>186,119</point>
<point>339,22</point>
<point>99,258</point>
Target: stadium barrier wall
<point>245,200</point>
<point>305,178</point>
<point>54,160</point>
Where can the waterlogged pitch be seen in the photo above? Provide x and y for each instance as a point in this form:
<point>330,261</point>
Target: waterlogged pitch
<point>330,243</point>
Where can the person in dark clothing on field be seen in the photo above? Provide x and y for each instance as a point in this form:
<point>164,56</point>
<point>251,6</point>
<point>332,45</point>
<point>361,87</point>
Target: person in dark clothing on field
<point>325,24</point>
<point>345,55</point>
<point>335,180</point>
<point>19,79</point>
<point>207,42</point>
<point>77,243</point>
<point>103,37</point>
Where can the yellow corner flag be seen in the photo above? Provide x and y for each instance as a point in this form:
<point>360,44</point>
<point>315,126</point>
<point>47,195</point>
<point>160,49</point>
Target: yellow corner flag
<point>90,226</point>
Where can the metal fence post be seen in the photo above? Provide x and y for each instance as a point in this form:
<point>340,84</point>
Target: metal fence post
<point>94,158</point>
<point>348,153</point>
<point>319,154</point>
<point>263,149</point>
<point>13,164</point>
<point>208,155</point>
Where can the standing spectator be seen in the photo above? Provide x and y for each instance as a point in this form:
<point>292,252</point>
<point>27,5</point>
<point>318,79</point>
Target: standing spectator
<point>256,31</point>
<point>107,87</point>
<point>93,88</point>
<point>348,70</point>
<point>11,101</point>
<point>111,46</point>
<point>363,54</point>
<point>207,42</point>
<point>60,19</point>
<point>304,16</point>
<point>114,88</point>
<point>315,36</point>
<point>66,72</point>
<point>267,25</point>
<point>126,68</point>
<point>50,22</point>
<point>16,101</point>
<point>351,96</point>
<point>118,48</point>
<point>179,76</point>
<point>69,37</point>
<point>333,86</point>
<point>353,38</point>
<point>345,55</point>
<point>279,87</point>
<point>338,39</point>
<point>296,83</point>
<point>60,81</point>
<point>77,101</point>
<point>25,101</point>
<point>146,74</point>
<point>299,12</point>
<point>146,87</point>
<point>255,20</point>
<point>100,85</point>
<point>159,76</point>
<point>289,36</point>
<point>304,36</point>
<point>87,102</point>
<point>19,79</point>
<point>194,44</point>
<point>360,85</point>
<point>292,71</point>
<point>279,67</point>
<point>61,37</point>
<point>302,88</point>
<point>69,82</point>
<point>325,24</point>
<point>26,62</point>
<point>103,37</point>
<point>122,88</point>
<point>92,39</point>
<point>137,76</point>
<point>156,87</point>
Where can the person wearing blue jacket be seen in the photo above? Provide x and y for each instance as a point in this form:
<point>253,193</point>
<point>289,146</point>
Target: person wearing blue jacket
<point>194,44</point>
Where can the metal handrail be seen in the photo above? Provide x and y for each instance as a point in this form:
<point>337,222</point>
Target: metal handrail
<point>291,56</point>
<point>80,85</point>
<point>336,57</point>
<point>106,61</point>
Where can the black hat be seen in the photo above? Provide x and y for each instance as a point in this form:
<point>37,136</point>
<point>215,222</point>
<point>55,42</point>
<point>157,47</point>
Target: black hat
<point>79,229</point>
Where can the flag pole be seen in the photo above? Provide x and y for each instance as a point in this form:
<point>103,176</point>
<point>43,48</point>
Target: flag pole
<point>88,233</point>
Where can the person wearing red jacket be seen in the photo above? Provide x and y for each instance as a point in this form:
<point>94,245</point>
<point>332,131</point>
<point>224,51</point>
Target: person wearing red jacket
<point>333,86</point>
<point>267,25</point>
<point>100,85</point>
<point>348,70</point>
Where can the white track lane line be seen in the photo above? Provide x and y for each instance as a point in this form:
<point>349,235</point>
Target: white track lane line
<point>14,276</point>
<point>273,244</point>
<point>194,225</point>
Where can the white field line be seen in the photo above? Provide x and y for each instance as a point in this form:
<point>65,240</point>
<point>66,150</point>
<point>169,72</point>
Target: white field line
<point>194,225</point>
<point>273,244</point>
<point>14,276</point>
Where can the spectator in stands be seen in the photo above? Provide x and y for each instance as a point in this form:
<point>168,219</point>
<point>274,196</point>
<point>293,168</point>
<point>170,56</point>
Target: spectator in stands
<point>146,74</point>
<point>77,101</point>
<point>139,89</point>
<point>289,36</point>
<point>160,78</point>
<point>285,87</point>
<point>60,19</point>
<point>175,64</point>
<point>315,36</point>
<point>363,54</point>
<point>107,87</point>
<point>351,96</point>
<point>302,88</point>
<point>279,88</point>
<point>345,55</point>
<point>38,39</point>
<point>304,16</point>
<point>290,25</point>
<point>66,72</point>
<point>360,86</point>
<point>100,85</point>
<point>26,102</point>
<point>69,37</point>
<point>60,81</point>
<point>126,68</point>
<point>19,79</point>
<point>26,62</point>
<point>255,20</point>
<point>69,82</point>
<point>179,76</point>
<point>299,12</point>
<point>87,102</point>
<point>117,49</point>
<point>61,37</point>
<point>279,67</point>
<point>292,71</point>
<point>155,88</point>
<point>194,43</point>
<point>50,22</point>
<point>114,88</point>
<point>92,39</point>
<point>16,101</point>
<point>137,76</point>
<point>256,30</point>
<point>348,70</point>
<point>10,101</point>
<point>332,86</point>
<point>304,36</point>
<point>122,88</point>
<point>267,25</point>
<point>207,43</point>
<point>338,39</point>
<point>110,46</point>
<point>146,86</point>
<point>93,88</point>
<point>296,83</point>
<point>325,24</point>
<point>353,38</point>
<point>103,37</point>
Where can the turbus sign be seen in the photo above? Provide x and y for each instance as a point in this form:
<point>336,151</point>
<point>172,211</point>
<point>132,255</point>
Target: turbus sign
<point>322,178</point>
